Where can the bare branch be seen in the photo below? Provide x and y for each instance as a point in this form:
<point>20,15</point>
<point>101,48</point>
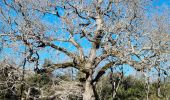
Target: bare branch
<point>64,65</point>
<point>63,50</point>
<point>102,71</point>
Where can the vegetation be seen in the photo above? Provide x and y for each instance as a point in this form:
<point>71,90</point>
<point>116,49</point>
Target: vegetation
<point>130,87</point>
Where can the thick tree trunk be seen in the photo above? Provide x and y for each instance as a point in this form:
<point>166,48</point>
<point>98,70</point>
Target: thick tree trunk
<point>89,93</point>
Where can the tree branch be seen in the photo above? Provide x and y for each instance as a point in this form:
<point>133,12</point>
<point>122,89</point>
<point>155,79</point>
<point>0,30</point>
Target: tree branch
<point>78,47</point>
<point>107,54</point>
<point>76,11</point>
<point>102,71</point>
<point>64,65</point>
<point>63,50</point>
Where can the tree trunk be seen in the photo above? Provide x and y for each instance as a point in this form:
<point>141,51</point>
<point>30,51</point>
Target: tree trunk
<point>115,86</point>
<point>114,93</point>
<point>159,83</point>
<point>89,93</point>
<point>148,89</point>
<point>147,86</point>
<point>147,82</point>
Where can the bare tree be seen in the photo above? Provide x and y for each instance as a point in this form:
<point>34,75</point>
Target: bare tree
<point>156,48</point>
<point>162,48</point>
<point>96,29</point>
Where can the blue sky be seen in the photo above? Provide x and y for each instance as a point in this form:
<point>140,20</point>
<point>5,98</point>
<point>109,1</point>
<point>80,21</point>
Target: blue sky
<point>53,19</point>
<point>161,2</point>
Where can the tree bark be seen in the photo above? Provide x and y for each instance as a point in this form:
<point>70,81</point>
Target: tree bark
<point>89,93</point>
